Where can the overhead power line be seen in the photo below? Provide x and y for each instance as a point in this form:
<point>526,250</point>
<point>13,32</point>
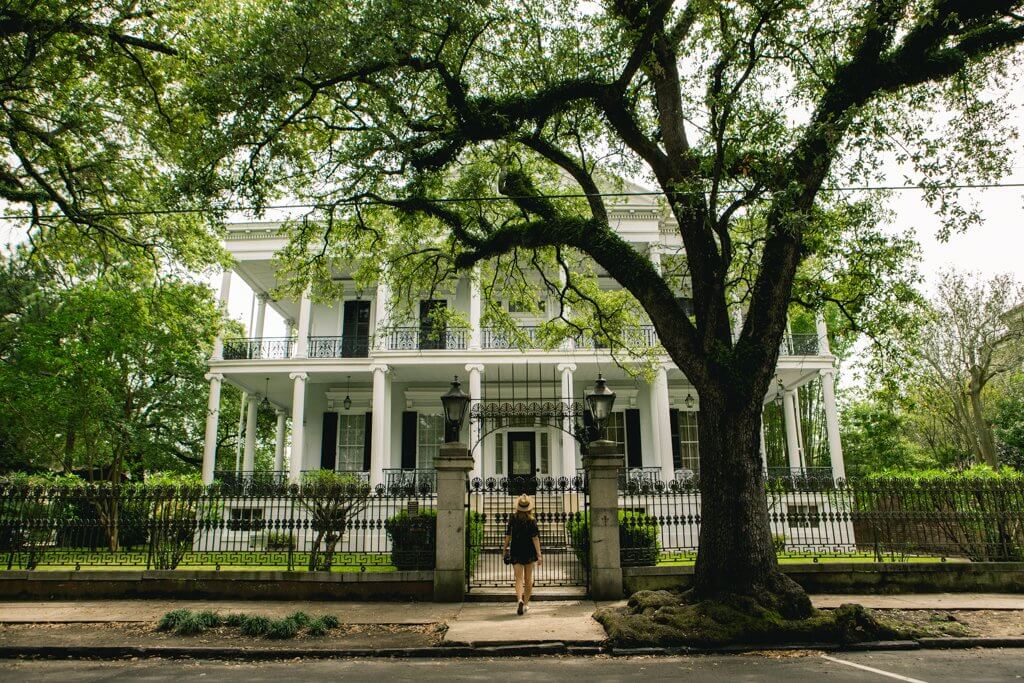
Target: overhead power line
<point>493,198</point>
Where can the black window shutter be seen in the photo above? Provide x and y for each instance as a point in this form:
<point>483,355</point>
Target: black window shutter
<point>367,440</point>
<point>673,422</point>
<point>409,440</point>
<point>634,453</point>
<point>329,442</point>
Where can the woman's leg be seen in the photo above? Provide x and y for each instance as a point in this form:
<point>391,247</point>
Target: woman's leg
<point>518,568</point>
<point>527,581</point>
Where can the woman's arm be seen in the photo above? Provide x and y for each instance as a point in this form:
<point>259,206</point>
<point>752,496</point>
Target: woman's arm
<point>536,546</point>
<point>504,548</point>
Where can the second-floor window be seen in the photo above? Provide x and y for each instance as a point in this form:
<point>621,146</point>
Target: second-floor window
<point>689,443</point>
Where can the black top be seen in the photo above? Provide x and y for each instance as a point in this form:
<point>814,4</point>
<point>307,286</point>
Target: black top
<point>522,532</point>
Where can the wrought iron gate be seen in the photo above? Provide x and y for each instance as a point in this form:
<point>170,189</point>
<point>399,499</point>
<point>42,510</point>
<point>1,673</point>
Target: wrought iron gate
<point>560,506</point>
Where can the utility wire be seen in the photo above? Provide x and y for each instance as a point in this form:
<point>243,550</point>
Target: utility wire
<point>495,198</point>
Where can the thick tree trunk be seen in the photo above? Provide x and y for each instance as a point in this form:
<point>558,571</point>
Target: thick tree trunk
<point>986,440</point>
<point>736,554</point>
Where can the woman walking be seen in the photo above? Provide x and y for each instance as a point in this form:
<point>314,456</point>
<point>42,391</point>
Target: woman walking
<point>522,549</point>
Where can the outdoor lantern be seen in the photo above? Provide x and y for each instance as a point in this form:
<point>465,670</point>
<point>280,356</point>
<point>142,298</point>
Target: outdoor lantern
<point>688,400</point>
<point>265,403</point>
<point>455,403</point>
<point>347,403</point>
<point>600,402</point>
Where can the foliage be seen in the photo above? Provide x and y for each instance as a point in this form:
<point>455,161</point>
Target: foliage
<point>1008,419</point>
<point>86,131</point>
<point>333,500</point>
<point>742,115</point>
<point>105,376</point>
<point>874,438</point>
<point>187,623</point>
<point>414,538</point>
<point>638,538</point>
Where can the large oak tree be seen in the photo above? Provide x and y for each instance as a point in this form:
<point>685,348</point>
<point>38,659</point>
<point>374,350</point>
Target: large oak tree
<point>744,115</point>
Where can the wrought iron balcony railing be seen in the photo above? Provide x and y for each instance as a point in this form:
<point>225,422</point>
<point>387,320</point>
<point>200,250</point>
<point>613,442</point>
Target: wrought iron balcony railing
<point>410,480</point>
<point>249,483</point>
<point>424,339</point>
<point>258,348</point>
<point>526,336</point>
<point>638,478</point>
<point>349,346</point>
<point>802,344</point>
<point>801,474</point>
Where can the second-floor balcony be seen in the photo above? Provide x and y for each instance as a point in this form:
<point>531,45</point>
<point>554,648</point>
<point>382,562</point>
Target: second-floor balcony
<point>424,339</point>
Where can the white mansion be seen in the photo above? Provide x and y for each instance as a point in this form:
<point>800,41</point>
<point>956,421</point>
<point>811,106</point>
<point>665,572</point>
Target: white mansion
<point>363,392</point>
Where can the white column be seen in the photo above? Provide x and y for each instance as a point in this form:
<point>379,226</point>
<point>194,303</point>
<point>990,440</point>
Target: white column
<point>225,291</point>
<point>381,304</point>
<point>302,333</point>
<point>824,348</point>
<point>212,416</point>
<point>835,445</point>
<point>249,455</point>
<point>298,424</point>
<point>279,441</point>
<point>790,417</point>
<point>378,424</point>
<point>242,404</point>
<point>662,423</point>
<point>474,315</point>
<point>475,393</point>
<point>261,314</point>
<point>568,440</point>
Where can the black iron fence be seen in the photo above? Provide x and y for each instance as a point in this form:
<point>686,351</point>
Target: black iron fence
<point>880,520</point>
<point>255,348</point>
<point>560,510</point>
<point>341,525</point>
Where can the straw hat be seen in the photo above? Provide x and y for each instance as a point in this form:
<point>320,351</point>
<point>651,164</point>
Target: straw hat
<point>524,504</point>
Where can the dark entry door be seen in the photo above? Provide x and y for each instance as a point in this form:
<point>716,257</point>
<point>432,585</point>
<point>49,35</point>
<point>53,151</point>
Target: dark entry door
<point>522,463</point>
<point>432,333</point>
<point>355,331</point>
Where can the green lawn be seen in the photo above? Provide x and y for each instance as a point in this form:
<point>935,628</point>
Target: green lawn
<point>66,560</point>
<point>788,558</point>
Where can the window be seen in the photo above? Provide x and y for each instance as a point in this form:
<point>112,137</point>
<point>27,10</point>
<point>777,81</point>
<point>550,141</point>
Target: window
<point>429,437</point>
<point>246,519</point>
<point>802,516</point>
<point>499,453</point>
<point>520,307</point>
<point>545,454</point>
<point>351,435</point>
<point>689,443</point>
<point>615,430</point>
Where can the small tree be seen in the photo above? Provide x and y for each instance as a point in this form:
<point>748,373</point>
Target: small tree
<point>333,501</point>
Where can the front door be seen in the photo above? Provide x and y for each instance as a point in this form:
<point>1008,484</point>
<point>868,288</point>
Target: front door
<point>522,463</point>
<point>355,330</point>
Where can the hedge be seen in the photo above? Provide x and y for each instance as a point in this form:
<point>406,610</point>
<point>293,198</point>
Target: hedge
<point>638,538</point>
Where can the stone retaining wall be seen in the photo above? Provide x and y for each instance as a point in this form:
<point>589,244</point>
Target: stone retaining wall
<point>866,578</point>
<point>256,585</point>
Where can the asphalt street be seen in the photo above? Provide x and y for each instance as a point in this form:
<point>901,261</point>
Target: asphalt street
<point>976,666</point>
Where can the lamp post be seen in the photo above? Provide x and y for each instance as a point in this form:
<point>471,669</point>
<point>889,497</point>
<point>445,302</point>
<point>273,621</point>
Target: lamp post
<point>455,403</point>
<point>599,402</point>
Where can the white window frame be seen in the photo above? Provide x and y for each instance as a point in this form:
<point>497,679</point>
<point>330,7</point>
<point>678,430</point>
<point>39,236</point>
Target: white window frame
<point>351,442</point>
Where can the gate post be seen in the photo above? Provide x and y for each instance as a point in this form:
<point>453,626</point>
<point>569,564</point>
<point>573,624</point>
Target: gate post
<point>602,464</point>
<point>453,463</point>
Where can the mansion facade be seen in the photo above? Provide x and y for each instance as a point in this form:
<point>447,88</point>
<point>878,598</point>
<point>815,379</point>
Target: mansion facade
<point>363,392</point>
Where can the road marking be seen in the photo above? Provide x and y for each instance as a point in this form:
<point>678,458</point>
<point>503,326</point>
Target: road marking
<point>873,670</point>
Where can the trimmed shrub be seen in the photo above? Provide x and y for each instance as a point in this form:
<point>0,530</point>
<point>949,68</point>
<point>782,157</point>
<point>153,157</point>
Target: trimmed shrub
<point>413,539</point>
<point>638,538</point>
<point>779,543</point>
<point>234,620</point>
<point>330,621</point>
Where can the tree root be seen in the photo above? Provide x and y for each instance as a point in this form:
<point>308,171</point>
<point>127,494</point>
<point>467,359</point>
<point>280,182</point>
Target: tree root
<point>664,618</point>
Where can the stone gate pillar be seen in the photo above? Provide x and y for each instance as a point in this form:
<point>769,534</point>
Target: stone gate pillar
<point>603,464</point>
<point>453,463</point>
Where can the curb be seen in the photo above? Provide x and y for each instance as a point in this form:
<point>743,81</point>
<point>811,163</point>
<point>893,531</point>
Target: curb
<point>106,652</point>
